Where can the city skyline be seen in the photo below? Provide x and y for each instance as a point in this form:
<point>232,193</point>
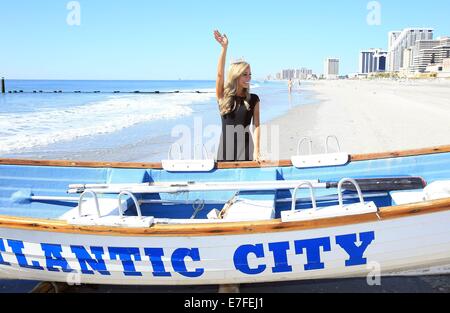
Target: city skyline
<point>159,40</point>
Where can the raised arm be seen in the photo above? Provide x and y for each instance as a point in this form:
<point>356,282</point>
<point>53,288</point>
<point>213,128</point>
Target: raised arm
<point>220,82</point>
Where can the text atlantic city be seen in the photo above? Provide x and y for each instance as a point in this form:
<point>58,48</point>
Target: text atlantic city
<point>248,259</point>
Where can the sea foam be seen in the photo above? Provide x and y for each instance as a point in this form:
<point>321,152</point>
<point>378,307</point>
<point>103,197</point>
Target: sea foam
<point>25,130</point>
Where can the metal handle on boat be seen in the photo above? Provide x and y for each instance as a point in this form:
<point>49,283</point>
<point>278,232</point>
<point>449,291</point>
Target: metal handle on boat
<point>80,202</point>
<point>341,201</point>
<point>337,141</point>
<point>198,206</point>
<point>170,151</point>
<point>300,144</point>
<point>136,203</point>
<point>311,189</point>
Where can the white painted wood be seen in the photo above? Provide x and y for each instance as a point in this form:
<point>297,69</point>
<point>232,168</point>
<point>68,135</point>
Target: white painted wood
<point>188,165</point>
<point>437,190</point>
<point>114,221</point>
<point>327,212</point>
<point>400,246</point>
<point>407,197</point>
<point>434,191</point>
<point>320,160</point>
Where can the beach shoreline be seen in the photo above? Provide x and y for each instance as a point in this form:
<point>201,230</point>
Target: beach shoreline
<point>148,141</point>
<point>367,116</point>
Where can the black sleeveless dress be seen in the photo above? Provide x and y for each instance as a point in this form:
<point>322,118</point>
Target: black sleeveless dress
<point>236,143</point>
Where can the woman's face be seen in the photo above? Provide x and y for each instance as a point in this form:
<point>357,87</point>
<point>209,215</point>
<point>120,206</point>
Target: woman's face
<point>245,78</point>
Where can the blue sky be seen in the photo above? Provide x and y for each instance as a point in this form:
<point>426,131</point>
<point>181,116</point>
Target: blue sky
<point>172,39</point>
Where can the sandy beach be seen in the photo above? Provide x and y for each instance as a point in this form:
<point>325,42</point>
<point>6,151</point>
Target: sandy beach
<point>367,116</point>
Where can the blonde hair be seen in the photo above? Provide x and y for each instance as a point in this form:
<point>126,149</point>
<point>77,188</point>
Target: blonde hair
<point>228,103</point>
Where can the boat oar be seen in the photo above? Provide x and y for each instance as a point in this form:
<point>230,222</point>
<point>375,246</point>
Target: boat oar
<point>366,184</point>
<point>26,197</point>
<point>383,184</point>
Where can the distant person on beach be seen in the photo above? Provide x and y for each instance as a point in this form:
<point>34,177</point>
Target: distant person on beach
<point>238,108</point>
<point>290,85</point>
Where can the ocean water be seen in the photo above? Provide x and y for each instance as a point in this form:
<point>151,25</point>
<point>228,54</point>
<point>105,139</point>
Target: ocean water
<point>92,120</point>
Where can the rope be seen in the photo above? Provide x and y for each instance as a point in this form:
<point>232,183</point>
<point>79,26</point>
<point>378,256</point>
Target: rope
<point>198,206</point>
<point>228,205</point>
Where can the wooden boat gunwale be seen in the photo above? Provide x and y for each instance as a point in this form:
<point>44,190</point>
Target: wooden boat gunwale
<point>224,165</point>
<point>232,228</point>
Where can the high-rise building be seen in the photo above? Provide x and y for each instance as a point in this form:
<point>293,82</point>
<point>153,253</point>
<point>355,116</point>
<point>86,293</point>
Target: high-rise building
<point>446,65</point>
<point>392,37</point>
<point>399,41</point>
<point>372,61</point>
<point>303,73</point>
<point>288,74</point>
<point>429,52</point>
<point>331,68</point>
<point>407,60</point>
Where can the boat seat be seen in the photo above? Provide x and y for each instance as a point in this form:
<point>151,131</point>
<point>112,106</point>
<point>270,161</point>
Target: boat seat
<point>247,206</point>
<point>407,196</point>
<point>250,210</point>
<point>437,190</point>
<point>434,191</point>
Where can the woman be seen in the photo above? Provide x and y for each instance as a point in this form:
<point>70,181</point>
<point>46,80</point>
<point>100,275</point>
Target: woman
<point>238,107</point>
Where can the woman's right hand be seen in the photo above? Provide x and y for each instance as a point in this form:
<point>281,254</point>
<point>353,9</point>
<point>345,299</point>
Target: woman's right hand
<point>222,39</point>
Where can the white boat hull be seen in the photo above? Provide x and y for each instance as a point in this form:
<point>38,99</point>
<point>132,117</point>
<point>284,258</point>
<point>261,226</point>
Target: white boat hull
<point>400,246</point>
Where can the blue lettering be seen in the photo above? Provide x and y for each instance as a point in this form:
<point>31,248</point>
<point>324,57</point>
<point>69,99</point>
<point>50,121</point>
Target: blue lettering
<point>241,259</point>
<point>125,256</point>
<point>2,249</point>
<point>348,243</point>
<point>54,258</point>
<point>179,264</point>
<point>279,250</point>
<point>155,255</point>
<point>84,258</point>
<point>312,247</point>
<point>17,247</point>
